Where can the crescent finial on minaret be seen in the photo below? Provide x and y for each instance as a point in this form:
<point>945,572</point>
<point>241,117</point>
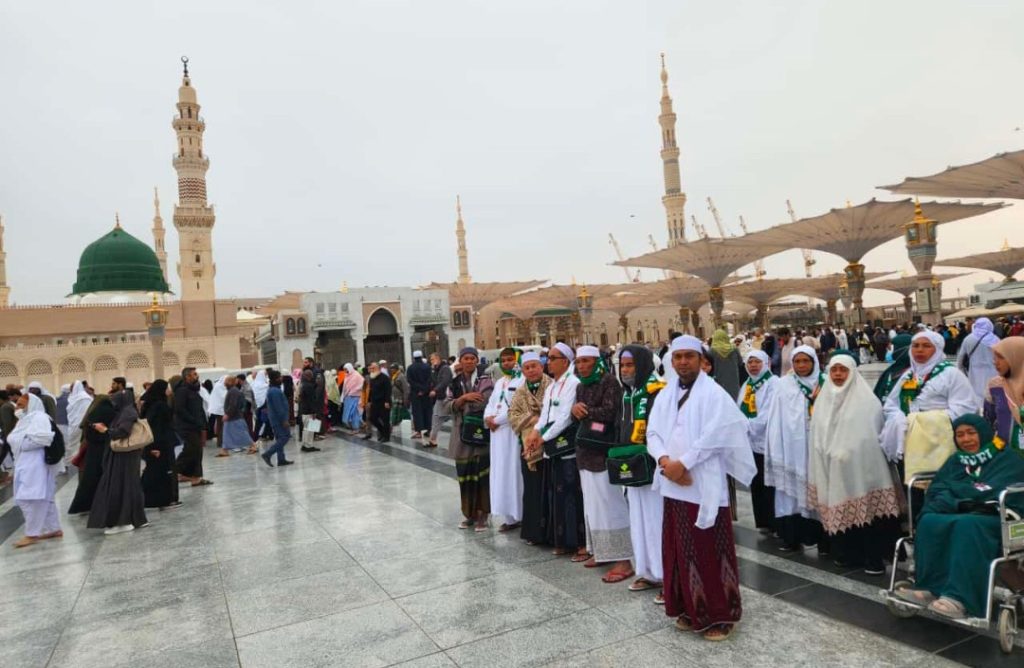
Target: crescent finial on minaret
<point>184,62</point>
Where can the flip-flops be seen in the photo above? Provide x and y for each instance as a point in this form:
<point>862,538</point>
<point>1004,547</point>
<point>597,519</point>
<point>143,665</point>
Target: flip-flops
<point>642,584</point>
<point>613,576</point>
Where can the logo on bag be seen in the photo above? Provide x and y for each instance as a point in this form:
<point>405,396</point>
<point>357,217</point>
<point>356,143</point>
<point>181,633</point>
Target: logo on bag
<point>624,472</point>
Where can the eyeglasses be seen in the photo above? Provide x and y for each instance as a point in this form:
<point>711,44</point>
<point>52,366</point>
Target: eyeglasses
<point>555,357</point>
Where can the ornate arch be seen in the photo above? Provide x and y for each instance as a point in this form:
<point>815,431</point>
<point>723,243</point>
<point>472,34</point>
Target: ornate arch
<point>38,367</point>
<point>136,361</point>
<point>106,363</point>
<point>171,360</point>
<point>71,365</point>
<point>9,370</point>
<point>197,358</point>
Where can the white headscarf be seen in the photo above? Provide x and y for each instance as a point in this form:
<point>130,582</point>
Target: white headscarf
<point>78,403</point>
<point>811,381</point>
<point>922,370</point>
<point>983,332</point>
<point>766,361</point>
<point>566,351</point>
<point>33,430</point>
<point>217,397</point>
<point>36,385</point>
<point>260,385</point>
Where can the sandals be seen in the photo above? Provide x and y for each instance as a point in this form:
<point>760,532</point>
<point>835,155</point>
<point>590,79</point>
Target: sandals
<point>591,563</point>
<point>642,584</point>
<point>559,551</point>
<point>26,541</point>
<point>480,528</point>
<point>53,534</point>
<point>505,528</point>
<point>579,558</point>
<point>465,524</point>
<point>202,482</point>
<point>948,607</point>
<point>223,454</point>
<point>683,624</point>
<point>613,576</point>
<point>919,596</point>
<point>660,598</point>
<point>718,632</point>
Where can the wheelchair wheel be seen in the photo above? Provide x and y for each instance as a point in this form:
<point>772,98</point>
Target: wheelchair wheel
<point>897,610</point>
<point>1007,629</point>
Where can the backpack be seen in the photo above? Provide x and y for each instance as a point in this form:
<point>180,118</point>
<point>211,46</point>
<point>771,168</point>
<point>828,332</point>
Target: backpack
<point>54,452</point>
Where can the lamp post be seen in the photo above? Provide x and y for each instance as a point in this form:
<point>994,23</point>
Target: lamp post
<point>584,304</point>
<point>920,235</point>
<point>156,323</point>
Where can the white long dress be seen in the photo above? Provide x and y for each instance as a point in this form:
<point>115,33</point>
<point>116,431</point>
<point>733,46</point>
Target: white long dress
<point>983,366</point>
<point>786,453</point>
<point>947,391</point>
<point>506,477</point>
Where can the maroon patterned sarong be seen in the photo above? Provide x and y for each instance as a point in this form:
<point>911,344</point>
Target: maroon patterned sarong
<point>701,577</point>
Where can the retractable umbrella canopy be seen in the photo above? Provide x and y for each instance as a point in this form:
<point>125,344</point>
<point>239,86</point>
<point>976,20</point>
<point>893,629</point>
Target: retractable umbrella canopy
<point>1007,261</point>
<point>1001,176</point>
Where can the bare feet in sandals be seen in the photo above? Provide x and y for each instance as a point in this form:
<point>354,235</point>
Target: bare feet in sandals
<point>622,570</point>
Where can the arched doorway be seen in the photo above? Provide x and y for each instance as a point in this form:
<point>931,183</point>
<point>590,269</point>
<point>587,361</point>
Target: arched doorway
<point>383,341</point>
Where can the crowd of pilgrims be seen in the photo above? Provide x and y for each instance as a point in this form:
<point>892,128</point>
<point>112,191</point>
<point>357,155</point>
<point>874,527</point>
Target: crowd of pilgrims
<point>624,462</point>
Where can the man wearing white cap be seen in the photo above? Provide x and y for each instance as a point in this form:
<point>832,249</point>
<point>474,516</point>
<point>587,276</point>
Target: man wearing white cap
<point>698,436</point>
<point>598,399</point>
<point>506,474</point>
<point>566,530</point>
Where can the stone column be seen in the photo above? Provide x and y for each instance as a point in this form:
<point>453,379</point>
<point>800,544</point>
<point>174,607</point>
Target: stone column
<point>717,305</point>
<point>624,337</point>
<point>920,235</point>
<point>684,319</point>
<point>908,306</point>
<point>855,286</point>
<point>833,313</point>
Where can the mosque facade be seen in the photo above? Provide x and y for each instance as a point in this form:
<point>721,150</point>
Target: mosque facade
<point>101,331</point>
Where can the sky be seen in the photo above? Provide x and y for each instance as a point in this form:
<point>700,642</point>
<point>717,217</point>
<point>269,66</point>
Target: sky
<point>340,133</point>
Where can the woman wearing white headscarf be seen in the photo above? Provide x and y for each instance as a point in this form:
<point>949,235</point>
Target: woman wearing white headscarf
<point>35,481</point>
<point>930,384</point>
<point>259,386</point>
<point>786,448</point>
<point>849,485</point>
<point>215,409</point>
<point>754,397</point>
<point>352,391</point>
<point>976,359</point>
<point>78,403</point>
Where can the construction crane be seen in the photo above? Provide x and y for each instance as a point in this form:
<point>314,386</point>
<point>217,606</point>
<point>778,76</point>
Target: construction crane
<point>630,278</point>
<point>698,228</point>
<point>808,254</point>
<point>718,219</point>
<point>759,270</point>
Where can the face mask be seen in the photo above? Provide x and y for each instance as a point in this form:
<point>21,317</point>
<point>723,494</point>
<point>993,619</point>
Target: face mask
<point>628,380</point>
<point>19,413</point>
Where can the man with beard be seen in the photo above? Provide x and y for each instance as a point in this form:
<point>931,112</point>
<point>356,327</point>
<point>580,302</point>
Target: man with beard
<point>190,424</point>
<point>379,404</point>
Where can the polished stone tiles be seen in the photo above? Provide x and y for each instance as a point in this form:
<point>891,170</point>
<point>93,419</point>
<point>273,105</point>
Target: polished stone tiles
<point>352,558</point>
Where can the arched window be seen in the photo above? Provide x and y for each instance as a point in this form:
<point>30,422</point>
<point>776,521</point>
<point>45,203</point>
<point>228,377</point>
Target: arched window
<point>457,319</point>
<point>289,326</point>
<point>465,318</point>
<point>197,358</point>
<point>198,260</point>
<point>301,325</point>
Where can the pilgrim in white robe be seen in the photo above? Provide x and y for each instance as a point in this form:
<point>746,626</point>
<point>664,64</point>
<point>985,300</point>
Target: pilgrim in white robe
<point>947,391</point>
<point>977,347</point>
<point>35,481</point>
<point>708,435</point>
<point>506,487</point>
<point>753,399</point>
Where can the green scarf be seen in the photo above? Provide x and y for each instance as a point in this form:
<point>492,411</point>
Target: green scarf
<point>637,401</point>
<point>810,395</point>
<point>910,389</point>
<point>749,404</point>
<point>595,375</point>
<point>721,344</point>
<point>974,461</point>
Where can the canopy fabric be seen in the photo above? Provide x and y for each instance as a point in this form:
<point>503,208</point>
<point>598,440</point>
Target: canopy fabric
<point>1007,261</point>
<point>1002,175</point>
<point>712,259</point>
<point>907,285</point>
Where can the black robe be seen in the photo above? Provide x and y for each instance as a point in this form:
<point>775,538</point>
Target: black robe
<point>119,500</point>
<point>159,480</point>
<point>92,464</point>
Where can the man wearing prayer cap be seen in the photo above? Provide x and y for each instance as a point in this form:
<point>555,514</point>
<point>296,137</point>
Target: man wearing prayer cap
<point>418,375</point>
<point>698,436</point>
<point>598,402</point>
<point>506,484</point>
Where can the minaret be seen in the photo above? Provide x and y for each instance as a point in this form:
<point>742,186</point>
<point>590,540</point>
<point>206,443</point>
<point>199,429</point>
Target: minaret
<point>158,235</point>
<point>460,237</point>
<point>5,292</point>
<point>674,199</point>
<point>193,217</point>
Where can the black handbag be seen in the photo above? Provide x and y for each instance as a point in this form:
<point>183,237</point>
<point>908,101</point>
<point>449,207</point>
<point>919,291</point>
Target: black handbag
<point>630,466</point>
<point>596,434</point>
<point>563,444</point>
<point>474,432</point>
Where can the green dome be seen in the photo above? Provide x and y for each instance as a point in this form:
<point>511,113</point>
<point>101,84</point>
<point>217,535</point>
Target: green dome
<point>118,262</point>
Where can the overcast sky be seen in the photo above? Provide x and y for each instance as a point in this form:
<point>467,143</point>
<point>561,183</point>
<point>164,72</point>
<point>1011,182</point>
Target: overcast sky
<point>340,133</point>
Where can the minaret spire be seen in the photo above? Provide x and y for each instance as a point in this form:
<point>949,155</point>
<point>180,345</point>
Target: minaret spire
<point>460,237</point>
<point>158,235</point>
<point>674,199</point>
<point>193,216</point>
<point>5,291</point>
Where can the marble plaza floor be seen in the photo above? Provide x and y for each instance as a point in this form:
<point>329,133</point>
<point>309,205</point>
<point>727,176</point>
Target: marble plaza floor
<point>352,558</point>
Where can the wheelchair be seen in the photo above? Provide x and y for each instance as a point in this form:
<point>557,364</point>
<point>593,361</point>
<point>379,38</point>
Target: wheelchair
<point>1005,603</point>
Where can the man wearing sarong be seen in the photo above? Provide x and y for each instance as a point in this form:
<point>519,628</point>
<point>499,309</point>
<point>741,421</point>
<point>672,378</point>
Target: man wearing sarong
<point>522,417</point>
<point>598,398</point>
<point>506,475</point>
<point>698,436</point>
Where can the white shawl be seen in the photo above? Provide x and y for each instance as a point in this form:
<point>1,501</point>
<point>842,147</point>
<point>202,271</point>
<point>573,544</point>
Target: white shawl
<point>33,430</point>
<point>786,438</point>
<point>714,443</point>
<point>217,397</point>
<point>849,482</point>
<point>78,403</point>
<point>259,386</point>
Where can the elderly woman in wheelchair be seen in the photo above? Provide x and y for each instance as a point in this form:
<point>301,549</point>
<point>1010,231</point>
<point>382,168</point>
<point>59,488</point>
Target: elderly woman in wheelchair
<point>959,532</point>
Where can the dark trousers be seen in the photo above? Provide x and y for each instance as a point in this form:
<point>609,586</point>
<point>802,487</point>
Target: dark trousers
<point>381,419</point>
<point>422,412</point>
<point>762,497</point>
